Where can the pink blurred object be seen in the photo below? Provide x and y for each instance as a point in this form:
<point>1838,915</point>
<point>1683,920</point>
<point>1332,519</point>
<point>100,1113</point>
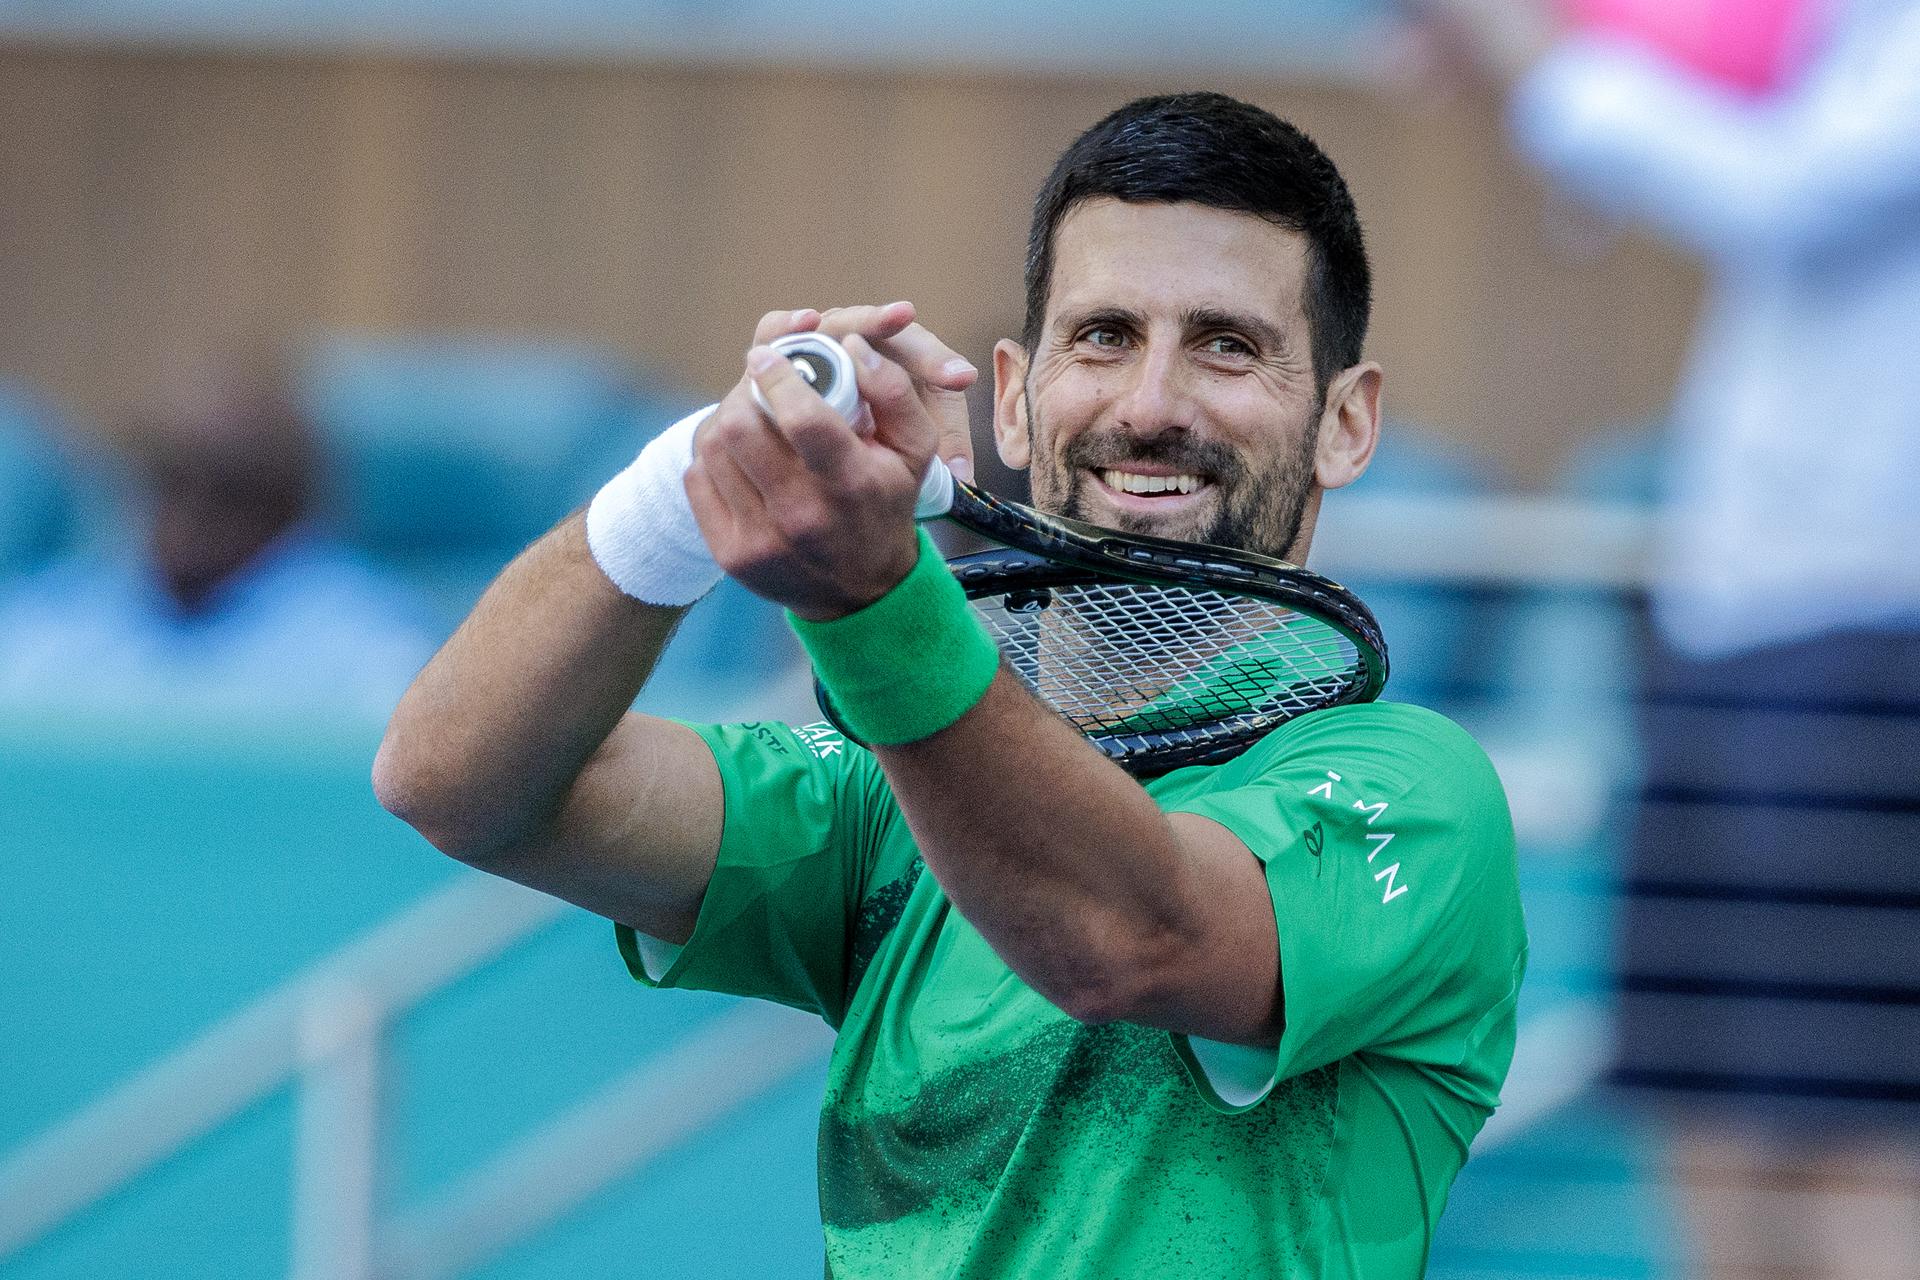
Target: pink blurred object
<point>1751,45</point>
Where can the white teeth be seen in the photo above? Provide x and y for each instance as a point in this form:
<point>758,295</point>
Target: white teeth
<point>1128,482</point>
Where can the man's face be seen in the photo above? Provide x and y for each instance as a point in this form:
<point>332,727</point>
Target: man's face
<point>1172,389</point>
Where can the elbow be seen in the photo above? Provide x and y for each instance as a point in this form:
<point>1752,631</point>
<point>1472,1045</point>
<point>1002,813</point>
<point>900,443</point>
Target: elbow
<point>1131,982</point>
<point>399,784</point>
<point>394,782</point>
<point>406,786</point>
<point>1113,997</point>
<point>1097,1003</point>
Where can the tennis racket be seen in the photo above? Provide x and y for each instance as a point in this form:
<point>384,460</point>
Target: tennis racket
<point>1161,653</point>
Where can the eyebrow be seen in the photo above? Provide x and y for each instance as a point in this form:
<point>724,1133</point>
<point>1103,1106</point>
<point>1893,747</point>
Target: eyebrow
<point>1269,335</point>
<point>1264,332</point>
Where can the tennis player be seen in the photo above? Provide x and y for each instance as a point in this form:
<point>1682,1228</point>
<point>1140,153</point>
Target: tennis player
<point>1240,1020</point>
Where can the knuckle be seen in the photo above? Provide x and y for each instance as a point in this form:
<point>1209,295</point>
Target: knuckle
<point>806,417</point>
<point>719,434</point>
<point>868,489</point>
<point>815,431</point>
<point>808,524</point>
<point>891,383</point>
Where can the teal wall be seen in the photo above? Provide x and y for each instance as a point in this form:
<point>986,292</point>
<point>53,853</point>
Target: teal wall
<point>158,878</point>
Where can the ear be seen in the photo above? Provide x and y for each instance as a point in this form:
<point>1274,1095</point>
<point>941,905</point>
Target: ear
<point>1349,426</point>
<point>1010,426</point>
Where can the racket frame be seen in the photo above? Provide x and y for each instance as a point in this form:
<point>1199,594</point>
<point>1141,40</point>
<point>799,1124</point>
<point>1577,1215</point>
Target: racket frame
<point>1040,552</point>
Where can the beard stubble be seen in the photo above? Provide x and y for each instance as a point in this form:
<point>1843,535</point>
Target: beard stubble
<point>1256,508</point>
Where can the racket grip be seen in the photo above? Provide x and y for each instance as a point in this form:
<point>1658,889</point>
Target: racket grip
<point>936,491</point>
<point>828,369</point>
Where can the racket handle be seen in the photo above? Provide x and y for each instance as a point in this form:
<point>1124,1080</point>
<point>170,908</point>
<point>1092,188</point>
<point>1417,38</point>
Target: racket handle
<point>822,364</point>
<point>936,491</point>
<point>827,368</point>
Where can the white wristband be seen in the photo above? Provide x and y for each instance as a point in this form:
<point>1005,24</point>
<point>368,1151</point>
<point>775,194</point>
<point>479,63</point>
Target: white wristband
<point>640,526</point>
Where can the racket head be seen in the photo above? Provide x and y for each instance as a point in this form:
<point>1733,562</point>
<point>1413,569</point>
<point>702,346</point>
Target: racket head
<point>1163,654</point>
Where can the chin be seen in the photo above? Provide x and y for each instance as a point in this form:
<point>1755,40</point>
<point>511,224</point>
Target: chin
<point>1177,529</point>
<point>1190,525</point>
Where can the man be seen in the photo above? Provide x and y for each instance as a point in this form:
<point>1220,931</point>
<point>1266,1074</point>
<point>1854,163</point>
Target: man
<point>1243,1020</point>
<point>230,596</point>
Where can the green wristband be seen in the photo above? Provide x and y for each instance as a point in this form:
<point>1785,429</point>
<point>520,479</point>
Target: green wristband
<point>909,664</point>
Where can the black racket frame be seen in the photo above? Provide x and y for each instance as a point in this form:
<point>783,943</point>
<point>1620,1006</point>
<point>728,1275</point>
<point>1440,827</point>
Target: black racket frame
<point>1039,552</point>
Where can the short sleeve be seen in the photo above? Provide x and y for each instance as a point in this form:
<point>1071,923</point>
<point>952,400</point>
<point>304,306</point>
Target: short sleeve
<point>1389,854</point>
<point>805,812</point>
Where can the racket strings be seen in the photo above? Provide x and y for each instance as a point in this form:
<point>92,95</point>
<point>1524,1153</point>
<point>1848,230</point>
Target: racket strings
<point>1125,658</point>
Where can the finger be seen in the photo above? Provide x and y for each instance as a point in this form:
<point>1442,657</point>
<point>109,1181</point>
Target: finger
<point>743,531</point>
<point>955,443</point>
<point>765,456</point>
<point>868,322</point>
<point>823,439</point>
<point>901,421</point>
<point>711,510</point>
<point>773,500</point>
<point>715,448</point>
<point>778,324</point>
<point>947,409</point>
<point>929,360</point>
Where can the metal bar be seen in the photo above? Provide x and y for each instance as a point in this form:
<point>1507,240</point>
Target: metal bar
<point>400,962</point>
<point>1522,541</point>
<point>336,1139</point>
<point>243,1058</point>
<point>727,1062</point>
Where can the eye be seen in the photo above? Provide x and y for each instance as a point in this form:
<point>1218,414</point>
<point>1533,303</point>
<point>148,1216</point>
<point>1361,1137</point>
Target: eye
<point>1226,344</point>
<point>1104,335</point>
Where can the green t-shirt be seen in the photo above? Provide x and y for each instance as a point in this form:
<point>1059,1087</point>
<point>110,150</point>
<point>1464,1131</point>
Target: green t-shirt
<point>971,1129</point>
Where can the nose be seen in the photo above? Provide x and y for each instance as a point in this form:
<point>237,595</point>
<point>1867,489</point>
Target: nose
<point>1155,398</point>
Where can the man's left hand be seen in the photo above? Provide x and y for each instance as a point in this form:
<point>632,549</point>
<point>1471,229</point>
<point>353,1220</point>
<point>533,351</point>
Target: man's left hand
<point>802,507</point>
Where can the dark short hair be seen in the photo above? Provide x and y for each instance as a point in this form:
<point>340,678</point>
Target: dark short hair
<point>1210,149</point>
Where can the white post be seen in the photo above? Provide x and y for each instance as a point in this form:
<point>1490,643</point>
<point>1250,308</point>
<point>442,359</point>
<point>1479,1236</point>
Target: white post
<point>336,1137</point>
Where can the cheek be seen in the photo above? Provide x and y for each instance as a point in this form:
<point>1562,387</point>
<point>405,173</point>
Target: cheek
<point>1261,426</point>
<point>1063,409</point>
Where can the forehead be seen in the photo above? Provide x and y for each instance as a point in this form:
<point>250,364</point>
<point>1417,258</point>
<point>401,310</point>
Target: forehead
<point>1170,258</point>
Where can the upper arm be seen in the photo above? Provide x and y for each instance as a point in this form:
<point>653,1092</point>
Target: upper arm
<point>638,834</point>
<point>1222,980</point>
<point>808,831</point>
<point>1378,841</point>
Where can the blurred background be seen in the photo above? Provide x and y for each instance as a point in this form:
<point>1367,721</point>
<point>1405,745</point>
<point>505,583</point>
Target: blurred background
<point>312,315</point>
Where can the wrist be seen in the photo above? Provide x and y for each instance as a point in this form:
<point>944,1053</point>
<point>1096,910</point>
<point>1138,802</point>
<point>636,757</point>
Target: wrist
<point>641,528</point>
<point>910,663</point>
<point>879,583</point>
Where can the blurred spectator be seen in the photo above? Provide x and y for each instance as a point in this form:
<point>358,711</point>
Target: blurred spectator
<point>1770,975</point>
<point>229,596</point>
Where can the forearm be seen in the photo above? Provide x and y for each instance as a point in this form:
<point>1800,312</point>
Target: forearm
<point>486,745</point>
<point>1064,864</point>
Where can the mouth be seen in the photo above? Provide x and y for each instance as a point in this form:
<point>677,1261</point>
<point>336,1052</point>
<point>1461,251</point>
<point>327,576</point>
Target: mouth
<point>1157,489</point>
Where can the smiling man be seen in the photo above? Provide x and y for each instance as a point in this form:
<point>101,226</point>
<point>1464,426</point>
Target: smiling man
<point>1237,1020</point>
